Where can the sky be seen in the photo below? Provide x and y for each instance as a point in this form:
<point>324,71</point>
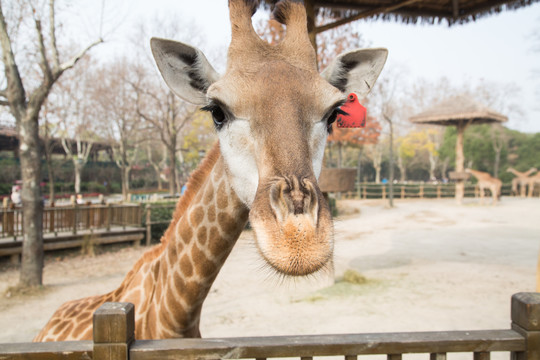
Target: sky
<point>498,49</point>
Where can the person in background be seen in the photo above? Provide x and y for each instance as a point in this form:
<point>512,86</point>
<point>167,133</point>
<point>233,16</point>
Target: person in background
<point>16,195</point>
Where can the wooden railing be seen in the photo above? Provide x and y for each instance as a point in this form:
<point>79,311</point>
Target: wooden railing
<point>72,218</point>
<point>114,339</point>
<point>415,191</point>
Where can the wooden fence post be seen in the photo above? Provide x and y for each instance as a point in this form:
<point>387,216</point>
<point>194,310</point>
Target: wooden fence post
<point>114,331</point>
<point>403,192</point>
<point>75,217</point>
<point>148,224</point>
<point>438,191</point>
<point>109,216</point>
<point>421,191</point>
<point>526,321</point>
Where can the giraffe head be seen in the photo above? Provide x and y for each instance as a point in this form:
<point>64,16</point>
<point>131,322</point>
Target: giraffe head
<point>272,111</point>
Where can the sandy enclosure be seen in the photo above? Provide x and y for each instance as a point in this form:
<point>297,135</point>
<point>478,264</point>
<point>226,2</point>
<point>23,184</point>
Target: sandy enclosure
<point>429,265</point>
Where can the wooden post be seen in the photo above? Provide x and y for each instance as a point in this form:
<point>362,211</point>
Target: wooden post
<point>437,356</point>
<point>114,331</point>
<point>421,191</point>
<point>384,192</point>
<point>109,216</point>
<point>403,192</point>
<point>148,224</point>
<point>438,191</point>
<point>526,321</point>
<point>365,192</point>
<point>481,356</point>
<point>75,217</point>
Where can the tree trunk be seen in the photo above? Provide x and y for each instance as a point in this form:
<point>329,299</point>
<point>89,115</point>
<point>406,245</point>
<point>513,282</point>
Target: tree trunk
<point>460,184</point>
<point>378,174</point>
<point>125,171</point>
<point>172,173</point>
<point>78,169</point>
<point>32,250</point>
<point>50,170</point>
<point>359,166</point>
<point>402,170</point>
<point>497,162</point>
<point>391,169</point>
<point>432,166</point>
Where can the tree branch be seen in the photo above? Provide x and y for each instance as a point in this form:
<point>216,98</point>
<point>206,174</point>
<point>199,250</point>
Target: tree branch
<point>69,64</point>
<point>15,89</point>
<point>44,64</point>
<point>52,35</point>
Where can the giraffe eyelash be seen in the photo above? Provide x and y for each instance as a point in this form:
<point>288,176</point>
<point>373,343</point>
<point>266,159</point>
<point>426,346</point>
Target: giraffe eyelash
<point>219,115</point>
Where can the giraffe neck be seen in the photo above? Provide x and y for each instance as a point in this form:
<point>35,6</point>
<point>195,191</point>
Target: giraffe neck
<point>169,283</point>
<point>481,176</point>
<point>170,289</point>
<point>517,173</point>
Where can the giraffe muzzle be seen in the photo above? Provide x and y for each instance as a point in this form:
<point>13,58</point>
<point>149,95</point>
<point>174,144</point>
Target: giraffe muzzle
<point>293,226</point>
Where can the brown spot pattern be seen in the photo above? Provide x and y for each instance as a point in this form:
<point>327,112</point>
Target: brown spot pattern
<point>202,235</point>
<point>185,266</point>
<point>222,196</point>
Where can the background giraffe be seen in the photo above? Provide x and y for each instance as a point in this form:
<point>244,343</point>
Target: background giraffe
<point>272,111</point>
<point>486,181</point>
<point>533,181</point>
<point>522,180</point>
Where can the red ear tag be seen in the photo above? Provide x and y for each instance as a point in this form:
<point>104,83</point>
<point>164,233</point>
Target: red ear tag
<point>356,113</point>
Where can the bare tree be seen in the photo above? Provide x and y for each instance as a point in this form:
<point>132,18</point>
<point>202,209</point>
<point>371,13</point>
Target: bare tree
<point>165,115</point>
<point>158,165</point>
<point>375,152</point>
<point>164,112</point>
<point>74,108</point>
<point>116,105</point>
<point>25,105</point>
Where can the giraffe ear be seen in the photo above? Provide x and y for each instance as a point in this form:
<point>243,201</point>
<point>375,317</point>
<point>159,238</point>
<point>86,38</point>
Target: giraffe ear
<point>356,71</point>
<point>184,68</point>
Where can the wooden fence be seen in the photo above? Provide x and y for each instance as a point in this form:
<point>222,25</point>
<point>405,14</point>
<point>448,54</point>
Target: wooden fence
<point>72,218</point>
<point>114,340</point>
<point>416,191</point>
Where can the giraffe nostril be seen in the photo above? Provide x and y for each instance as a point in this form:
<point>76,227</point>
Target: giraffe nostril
<point>293,196</point>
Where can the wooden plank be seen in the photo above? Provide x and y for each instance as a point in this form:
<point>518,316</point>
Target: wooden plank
<point>330,345</point>
<point>62,350</point>
<point>73,241</point>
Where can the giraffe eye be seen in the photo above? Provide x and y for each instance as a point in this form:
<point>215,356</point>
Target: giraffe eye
<point>332,118</point>
<point>218,115</point>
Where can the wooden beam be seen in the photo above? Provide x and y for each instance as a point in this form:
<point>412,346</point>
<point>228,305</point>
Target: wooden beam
<point>455,8</point>
<point>364,14</point>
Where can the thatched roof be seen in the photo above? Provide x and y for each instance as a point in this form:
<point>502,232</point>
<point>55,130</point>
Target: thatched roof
<point>414,11</point>
<point>458,109</point>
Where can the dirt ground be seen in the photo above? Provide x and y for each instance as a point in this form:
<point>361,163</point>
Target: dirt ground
<point>428,265</point>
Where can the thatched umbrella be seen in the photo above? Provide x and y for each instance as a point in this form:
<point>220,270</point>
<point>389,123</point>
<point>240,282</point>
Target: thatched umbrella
<point>408,11</point>
<point>460,111</point>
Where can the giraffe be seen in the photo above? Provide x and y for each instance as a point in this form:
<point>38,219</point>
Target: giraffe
<point>486,181</point>
<point>522,179</point>
<point>272,112</point>
<point>532,181</point>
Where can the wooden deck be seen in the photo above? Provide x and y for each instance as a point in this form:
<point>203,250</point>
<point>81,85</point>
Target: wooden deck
<point>67,240</point>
